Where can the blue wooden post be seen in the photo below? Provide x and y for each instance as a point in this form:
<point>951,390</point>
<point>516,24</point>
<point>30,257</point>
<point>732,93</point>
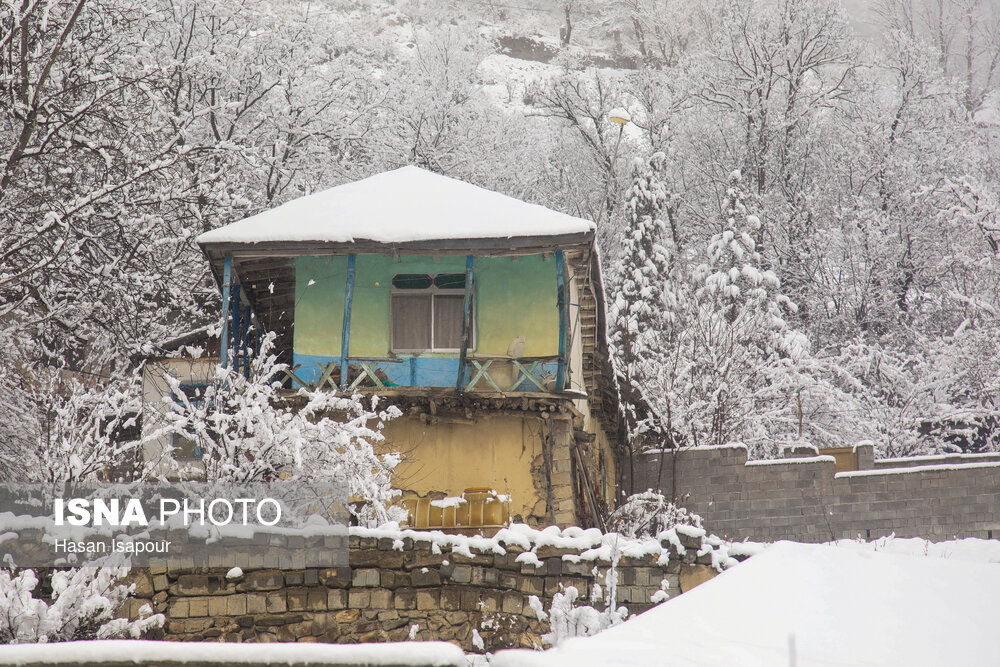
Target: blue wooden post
<point>246,343</point>
<point>227,279</point>
<point>466,324</point>
<point>561,286</point>
<point>237,331</point>
<point>345,334</point>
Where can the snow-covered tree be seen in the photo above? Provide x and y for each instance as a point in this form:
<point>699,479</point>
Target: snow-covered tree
<point>644,310</point>
<point>249,432</point>
<point>741,341</point>
<point>649,513</point>
<point>66,427</point>
<point>84,604</point>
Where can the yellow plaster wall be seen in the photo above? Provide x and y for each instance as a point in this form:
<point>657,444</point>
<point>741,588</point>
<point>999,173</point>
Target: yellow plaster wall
<point>611,496</point>
<point>450,456</point>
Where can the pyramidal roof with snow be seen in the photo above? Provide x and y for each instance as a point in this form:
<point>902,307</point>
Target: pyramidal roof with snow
<point>404,206</point>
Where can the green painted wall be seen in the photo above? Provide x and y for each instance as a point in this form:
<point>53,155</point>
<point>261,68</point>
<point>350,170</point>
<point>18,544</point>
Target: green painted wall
<point>319,304</point>
<point>517,297</point>
<point>514,296</point>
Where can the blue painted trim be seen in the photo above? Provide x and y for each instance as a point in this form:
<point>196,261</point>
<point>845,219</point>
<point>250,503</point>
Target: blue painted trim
<point>246,343</point>
<point>561,286</point>
<point>227,279</point>
<point>345,334</point>
<point>466,314</point>
<point>237,330</point>
<point>416,371</point>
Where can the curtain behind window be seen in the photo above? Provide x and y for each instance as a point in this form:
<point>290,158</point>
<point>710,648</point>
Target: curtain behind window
<point>411,322</point>
<point>448,313</point>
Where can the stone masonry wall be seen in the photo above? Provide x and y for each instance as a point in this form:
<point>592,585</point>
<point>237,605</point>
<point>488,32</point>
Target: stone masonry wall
<point>395,583</point>
<point>803,499</point>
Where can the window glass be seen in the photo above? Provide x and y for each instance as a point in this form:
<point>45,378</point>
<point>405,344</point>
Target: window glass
<point>450,281</point>
<point>448,312</point>
<point>411,322</point>
<point>185,448</point>
<point>427,312</point>
<point>411,281</point>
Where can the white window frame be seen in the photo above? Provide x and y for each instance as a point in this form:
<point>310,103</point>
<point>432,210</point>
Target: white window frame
<point>432,291</point>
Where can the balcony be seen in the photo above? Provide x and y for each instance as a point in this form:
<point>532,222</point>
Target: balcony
<point>501,374</point>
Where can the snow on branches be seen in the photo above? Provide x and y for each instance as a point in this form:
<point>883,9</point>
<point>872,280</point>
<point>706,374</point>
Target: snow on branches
<point>567,618</point>
<point>648,514</point>
<point>83,605</point>
<point>643,310</point>
<point>248,432</point>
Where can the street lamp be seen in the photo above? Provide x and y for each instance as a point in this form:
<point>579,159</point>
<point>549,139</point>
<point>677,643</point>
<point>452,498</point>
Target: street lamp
<point>621,118</point>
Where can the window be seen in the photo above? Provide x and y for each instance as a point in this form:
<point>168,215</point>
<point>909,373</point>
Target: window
<point>427,312</point>
<point>185,448</point>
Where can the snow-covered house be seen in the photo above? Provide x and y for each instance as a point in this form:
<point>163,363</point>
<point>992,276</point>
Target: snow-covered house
<point>481,316</point>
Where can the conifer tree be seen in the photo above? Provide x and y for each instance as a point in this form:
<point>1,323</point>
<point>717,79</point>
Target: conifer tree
<point>742,342</point>
<point>639,310</point>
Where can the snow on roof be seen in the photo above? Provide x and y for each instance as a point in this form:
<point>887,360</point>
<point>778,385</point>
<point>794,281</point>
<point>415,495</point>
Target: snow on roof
<point>399,206</point>
<point>827,605</point>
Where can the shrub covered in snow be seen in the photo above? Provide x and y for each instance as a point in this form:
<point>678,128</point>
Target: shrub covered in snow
<point>649,513</point>
<point>249,433</point>
<point>82,605</point>
<point>569,619</point>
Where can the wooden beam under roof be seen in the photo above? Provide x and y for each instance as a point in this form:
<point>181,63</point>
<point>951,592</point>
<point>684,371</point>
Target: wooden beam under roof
<point>483,247</point>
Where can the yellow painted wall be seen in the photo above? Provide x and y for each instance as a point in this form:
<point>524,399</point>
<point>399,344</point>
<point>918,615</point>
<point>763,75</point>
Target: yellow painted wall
<point>449,456</point>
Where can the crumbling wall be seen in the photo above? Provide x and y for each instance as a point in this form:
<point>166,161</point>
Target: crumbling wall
<point>421,586</point>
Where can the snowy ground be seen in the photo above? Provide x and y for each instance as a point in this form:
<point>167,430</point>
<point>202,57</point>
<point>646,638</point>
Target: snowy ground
<point>969,549</point>
<point>406,654</point>
<point>798,604</point>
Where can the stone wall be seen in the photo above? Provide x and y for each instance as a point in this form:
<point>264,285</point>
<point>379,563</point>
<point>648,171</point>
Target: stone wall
<point>396,582</point>
<point>803,499</point>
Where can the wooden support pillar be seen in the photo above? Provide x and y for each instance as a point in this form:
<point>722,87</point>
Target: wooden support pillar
<point>237,330</point>
<point>563,303</point>
<point>227,279</point>
<point>246,342</point>
<point>345,334</point>
<point>466,324</point>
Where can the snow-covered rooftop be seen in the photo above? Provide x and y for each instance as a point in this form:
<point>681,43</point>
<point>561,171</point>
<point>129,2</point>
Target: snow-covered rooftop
<point>400,206</point>
<point>806,605</point>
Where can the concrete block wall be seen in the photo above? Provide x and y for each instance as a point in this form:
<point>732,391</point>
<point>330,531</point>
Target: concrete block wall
<point>804,499</point>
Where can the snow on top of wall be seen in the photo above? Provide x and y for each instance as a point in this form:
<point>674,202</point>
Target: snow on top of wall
<point>140,652</point>
<point>829,605</point>
<point>799,459</point>
<point>399,206</point>
<point>863,443</point>
<point>699,448</point>
<point>590,544</point>
<point>913,469</point>
<point>961,456</point>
